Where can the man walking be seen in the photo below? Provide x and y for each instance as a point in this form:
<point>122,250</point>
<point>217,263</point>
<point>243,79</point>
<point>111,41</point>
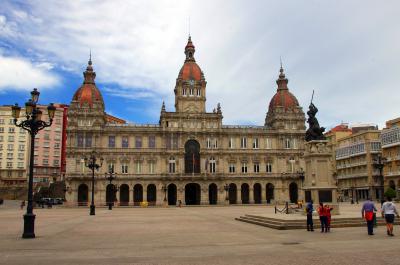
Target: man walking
<point>367,212</point>
<point>309,211</point>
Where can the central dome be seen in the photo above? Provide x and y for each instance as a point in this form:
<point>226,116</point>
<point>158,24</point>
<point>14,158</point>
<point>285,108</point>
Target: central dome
<point>190,69</point>
<point>283,98</point>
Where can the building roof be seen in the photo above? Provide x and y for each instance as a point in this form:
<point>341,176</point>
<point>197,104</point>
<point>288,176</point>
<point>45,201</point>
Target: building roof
<point>190,70</point>
<point>283,98</point>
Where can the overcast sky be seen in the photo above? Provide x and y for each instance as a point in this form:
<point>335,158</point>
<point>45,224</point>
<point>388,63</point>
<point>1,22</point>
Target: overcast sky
<point>347,51</point>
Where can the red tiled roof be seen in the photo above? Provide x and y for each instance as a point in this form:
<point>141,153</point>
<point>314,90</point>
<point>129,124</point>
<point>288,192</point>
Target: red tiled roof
<point>190,70</point>
<point>283,98</point>
<point>87,93</point>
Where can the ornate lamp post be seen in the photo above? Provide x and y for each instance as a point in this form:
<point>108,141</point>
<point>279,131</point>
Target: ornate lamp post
<point>226,188</point>
<point>33,124</point>
<point>379,163</point>
<point>110,177</point>
<point>90,162</point>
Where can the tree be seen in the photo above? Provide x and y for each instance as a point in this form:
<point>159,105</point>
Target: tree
<point>390,193</point>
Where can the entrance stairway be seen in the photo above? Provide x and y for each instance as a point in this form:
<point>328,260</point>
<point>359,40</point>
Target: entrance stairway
<point>281,224</point>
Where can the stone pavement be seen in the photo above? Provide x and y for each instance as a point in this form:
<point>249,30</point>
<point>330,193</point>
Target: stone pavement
<point>188,235</point>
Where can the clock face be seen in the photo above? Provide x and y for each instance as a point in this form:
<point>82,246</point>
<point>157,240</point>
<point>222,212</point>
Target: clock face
<point>191,82</point>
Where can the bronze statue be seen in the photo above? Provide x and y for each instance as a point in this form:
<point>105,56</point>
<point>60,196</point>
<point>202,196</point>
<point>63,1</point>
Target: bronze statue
<point>314,132</point>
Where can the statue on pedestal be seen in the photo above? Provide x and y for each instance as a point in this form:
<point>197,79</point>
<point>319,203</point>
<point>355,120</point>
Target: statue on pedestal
<point>314,132</point>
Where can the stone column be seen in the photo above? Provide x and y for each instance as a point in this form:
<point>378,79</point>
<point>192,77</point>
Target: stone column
<point>221,195</point>
<point>263,194</point>
<point>144,193</point>
<point>251,195</point>
<point>204,198</point>
<point>239,195</point>
<point>180,195</point>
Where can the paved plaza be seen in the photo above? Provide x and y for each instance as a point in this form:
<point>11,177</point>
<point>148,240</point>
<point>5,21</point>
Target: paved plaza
<point>187,235</point>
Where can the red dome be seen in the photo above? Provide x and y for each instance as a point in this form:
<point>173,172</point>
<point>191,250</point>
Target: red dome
<point>87,93</point>
<point>190,70</point>
<point>283,98</point>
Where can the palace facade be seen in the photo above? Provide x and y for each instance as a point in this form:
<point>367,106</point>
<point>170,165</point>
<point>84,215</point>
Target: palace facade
<point>190,155</point>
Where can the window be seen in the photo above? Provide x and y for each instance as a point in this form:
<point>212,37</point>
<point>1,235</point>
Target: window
<point>124,168</point>
<point>243,142</point>
<point>171,141</point>
<point>1,130</point>
<point>20,164</point>
<point>208,143</point>
<point>199,92</point>
<point>138,142</point>
<point>57,145</point>
<point>244,167</point>
<point>152,142</point>
<point>191,91</point>
<point>287,143</point>
<point>56,162</point>
<point>1,147</point>
<point>294,143</point>
<point>79,140</point>
<point>212,164</point>
<point>138,167</point>
<point>184,91</point>
<point>125,142</point>
<point>46,136</point>
<point>21,138</point>
<point>45,161</point>
<point>9,164</point>
<point>11,130</point>
<point>9,155</point>
<point>268,168</point>
<point>268,143</point>
<point>46,144</point>
<point>231,143</point>
<point>20,156</point>
<point>111,167</point>
<point>151,167</point>
<point>10,147</point>
<point>1,138</point>
<point>1,121</point>
<point>231,168</point>
<point>256,167</point>
<point>88,140</point>
<point>11,138</point>
<point>46,153</point>
<point>21,131</point>
<point>171,163</point>
<point>11,121</point>
<point>215,143</point>
<point>58,121</point>
<point>111,141</point>
<point>255,143</point>
<point>21,147</point>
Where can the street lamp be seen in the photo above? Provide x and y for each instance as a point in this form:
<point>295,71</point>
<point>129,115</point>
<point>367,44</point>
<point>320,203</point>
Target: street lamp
<point>379,163</point>
<point>33,124</point>
<point>90,162</point>
<point>165,193</point>
<point>226,188</point>
<point>110,177</point>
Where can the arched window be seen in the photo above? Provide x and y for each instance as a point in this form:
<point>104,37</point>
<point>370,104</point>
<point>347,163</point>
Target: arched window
<point>191,91</point>
<point>199,92</point>
<point>287,143</point>
<point>184,91</point>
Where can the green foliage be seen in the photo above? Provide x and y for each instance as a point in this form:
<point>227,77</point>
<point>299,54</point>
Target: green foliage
<point>390,193</point>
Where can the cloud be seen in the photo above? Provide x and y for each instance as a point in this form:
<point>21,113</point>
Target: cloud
<point>346,51</point>
<point>20,74</point>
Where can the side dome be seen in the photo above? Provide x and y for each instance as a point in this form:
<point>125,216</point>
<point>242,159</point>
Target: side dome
<point>88,93</point>
<point>283,98</point>
<point>190,69</point>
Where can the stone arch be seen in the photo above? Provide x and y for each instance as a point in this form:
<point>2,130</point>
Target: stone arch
<point>245,193</point>
<point>269,192</point>
<point>232,193</point>
<point>124,195</point>
<point>213,193</point>
<point>257,193</point>
<point>83,195</point>
<point>172,194</point>
<point>137,194</point>
<point>192,156</point>
<point>151,194</point>
<point>192,194</point>
<point>293,192</point>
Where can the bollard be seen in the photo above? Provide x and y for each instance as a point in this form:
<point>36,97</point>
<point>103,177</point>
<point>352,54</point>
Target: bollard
<point>287,207</point>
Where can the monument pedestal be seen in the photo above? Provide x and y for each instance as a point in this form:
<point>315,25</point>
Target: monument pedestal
<point>319,183</point>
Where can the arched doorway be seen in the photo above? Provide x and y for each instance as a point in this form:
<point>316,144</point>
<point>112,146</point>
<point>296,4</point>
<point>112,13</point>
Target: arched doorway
<point>192,157</point>
<point>293,193</point>
<point>151,194</point>
<point>392,185</point>
<point>232,193</point>
<point>83,192</point>
<point>245,193</point>
<point>192,194</point>
<point>213,193</point>
<point>257,193</point>
<point>171,194</point>
<point>124,195</point>
<point>137,194</point>
<point>269,192</point>
<point>110,194</point>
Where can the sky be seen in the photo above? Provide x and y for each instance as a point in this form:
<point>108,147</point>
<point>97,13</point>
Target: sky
<point>346,51</point>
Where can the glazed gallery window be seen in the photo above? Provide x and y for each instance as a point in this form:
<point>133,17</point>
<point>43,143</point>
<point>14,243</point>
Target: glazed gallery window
<point>231,168</point>
<point>111,141</point>
<point>125,142</point>
<point>243,142</point>
<point>256,167</point>
<point>171,163</point>
<point>244,167</point>
<point>138,142</point>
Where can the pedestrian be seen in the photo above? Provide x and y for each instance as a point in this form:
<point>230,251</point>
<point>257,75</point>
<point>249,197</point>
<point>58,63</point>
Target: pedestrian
<point>309,211</point>
<point>367,213</point>
<point>388,211</point>
<point>328,217</point>
<point>22,204</point>
<point>322,217</point>
<point>180,203</point>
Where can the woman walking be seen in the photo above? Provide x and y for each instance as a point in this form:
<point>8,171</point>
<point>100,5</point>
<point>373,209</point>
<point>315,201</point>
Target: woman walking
<point>322,217</point>
<point>388,211</point>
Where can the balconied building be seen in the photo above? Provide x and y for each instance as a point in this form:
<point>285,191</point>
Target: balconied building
<point>357,175</point>
<point>14,150</point>
<point>190,152</point>
<point>390,138</point>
